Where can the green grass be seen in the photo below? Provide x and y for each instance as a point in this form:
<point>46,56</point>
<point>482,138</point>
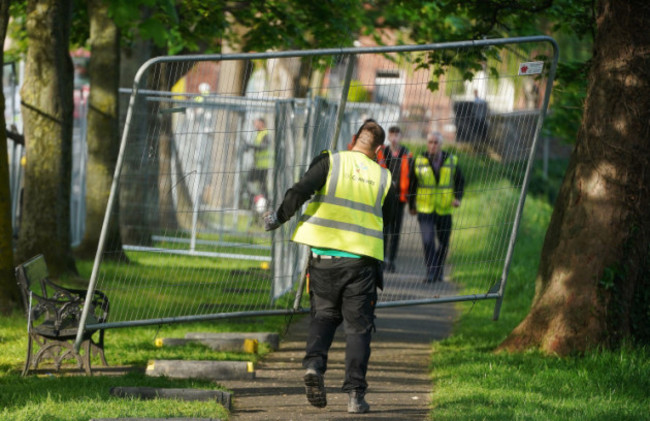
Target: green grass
<point>83,398</point>
<point>153,285</point>
<point>53,396</point>
<point>471,382</point>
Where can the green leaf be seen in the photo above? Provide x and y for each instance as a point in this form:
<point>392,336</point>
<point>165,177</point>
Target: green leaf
<point>153,29</point>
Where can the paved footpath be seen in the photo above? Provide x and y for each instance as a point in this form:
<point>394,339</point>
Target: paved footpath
<point>399,387</point>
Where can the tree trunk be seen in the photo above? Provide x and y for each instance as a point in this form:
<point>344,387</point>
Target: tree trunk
<point>168,217</point>
<point>47,108</point>
<point>8,290</point>
<point>231,82</point>
<point>130,217</point>
<point>103,137</point>
<point>592,288</point>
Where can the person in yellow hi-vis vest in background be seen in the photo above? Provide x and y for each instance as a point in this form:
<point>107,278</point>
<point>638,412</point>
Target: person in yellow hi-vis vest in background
<point>353,198</point>
<point>436,188</point>
<point>263,157</point>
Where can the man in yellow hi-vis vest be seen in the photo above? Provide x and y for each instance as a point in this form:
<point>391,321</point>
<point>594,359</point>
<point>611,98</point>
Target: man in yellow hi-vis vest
<point>436,188</point>
<point>263,156</point>
<point>343,225</point>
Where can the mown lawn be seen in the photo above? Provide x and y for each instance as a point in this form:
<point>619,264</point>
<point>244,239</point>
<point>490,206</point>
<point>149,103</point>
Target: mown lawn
<point>51,396</point>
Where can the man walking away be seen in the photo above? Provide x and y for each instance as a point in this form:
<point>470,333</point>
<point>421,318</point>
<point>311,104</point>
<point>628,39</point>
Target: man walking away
<point>343,225</point>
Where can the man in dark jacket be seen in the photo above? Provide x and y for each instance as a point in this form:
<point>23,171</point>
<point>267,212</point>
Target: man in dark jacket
<point>398,159</point>
<point>343,226</point>
<point>437,187</point>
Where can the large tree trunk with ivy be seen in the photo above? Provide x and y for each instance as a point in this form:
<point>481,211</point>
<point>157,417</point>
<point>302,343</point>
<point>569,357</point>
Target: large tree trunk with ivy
<point>47,108</point>
<point>593,284</point>
<point>8,290</point>
<point>103,137</point>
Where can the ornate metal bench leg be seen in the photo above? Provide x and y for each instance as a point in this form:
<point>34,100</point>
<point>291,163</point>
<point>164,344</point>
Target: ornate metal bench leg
<point>85,358</point>
<point>48,349</point>
<point>99,348</point>
<point>100,351</point>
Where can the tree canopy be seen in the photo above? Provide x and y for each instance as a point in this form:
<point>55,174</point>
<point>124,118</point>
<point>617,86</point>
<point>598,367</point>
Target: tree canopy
<point>201,26</point>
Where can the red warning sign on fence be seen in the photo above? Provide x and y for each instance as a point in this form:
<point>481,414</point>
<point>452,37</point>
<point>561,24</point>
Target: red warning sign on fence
<point>531,68</point>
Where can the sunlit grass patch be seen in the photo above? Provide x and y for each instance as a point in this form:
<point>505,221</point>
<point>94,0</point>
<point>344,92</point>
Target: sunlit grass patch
<point>472,382</point>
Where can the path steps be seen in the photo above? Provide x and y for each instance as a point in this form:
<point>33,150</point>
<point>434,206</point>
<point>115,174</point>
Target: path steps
<point>246,345</point>
<point>209,370</point>
<point>273,339</point>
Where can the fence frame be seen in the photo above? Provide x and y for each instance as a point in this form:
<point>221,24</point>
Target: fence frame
<point>348,53</point>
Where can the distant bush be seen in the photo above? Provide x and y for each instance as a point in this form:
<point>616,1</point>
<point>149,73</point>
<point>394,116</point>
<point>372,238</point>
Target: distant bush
<point>549,186</point>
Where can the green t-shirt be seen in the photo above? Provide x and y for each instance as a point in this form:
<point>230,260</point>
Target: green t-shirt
<point>332,252</point>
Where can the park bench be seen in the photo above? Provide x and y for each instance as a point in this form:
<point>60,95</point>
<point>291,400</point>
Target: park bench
<point>53,315</point>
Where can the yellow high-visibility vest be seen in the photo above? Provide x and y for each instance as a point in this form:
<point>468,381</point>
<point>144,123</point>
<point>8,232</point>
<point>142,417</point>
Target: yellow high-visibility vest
<point>346,214</point>
<point>435,196</point>
<point>263,157</point>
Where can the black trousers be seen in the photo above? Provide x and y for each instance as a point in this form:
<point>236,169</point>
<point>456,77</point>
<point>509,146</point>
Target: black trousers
<point>342,290</point>
<point>259,175</point>
<point>435,227</point>
<point>391,234</point>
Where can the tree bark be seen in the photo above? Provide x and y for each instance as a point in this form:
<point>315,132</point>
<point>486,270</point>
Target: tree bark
<point>130,217</point>
<point>103,137</point>
<point>47,108</point>
<point>592,284</point>
<point>231,82</point>
<point>8,290</point>
<point>167,215</point>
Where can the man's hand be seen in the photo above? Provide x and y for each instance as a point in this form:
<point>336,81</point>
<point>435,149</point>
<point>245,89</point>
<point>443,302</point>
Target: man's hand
<point>271,221</point>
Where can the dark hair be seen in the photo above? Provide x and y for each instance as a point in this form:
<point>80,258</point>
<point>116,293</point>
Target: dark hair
<point>394,129</point>
<point>378,134</point>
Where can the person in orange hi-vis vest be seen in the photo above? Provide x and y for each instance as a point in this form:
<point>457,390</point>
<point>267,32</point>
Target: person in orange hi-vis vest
<point>398,160</point>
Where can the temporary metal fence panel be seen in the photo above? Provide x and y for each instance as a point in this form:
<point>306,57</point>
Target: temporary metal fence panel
<point>189,198</point>
<point>15,150</point>
<point>16,153</point>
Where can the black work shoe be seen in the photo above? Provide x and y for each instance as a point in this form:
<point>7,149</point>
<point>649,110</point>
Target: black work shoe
<point>315,388</point>
<point>356,403</point>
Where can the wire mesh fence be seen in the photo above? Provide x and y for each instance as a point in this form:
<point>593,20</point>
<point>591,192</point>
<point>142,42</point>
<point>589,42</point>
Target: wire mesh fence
<point>212,142</point>
<point>12,74</point>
